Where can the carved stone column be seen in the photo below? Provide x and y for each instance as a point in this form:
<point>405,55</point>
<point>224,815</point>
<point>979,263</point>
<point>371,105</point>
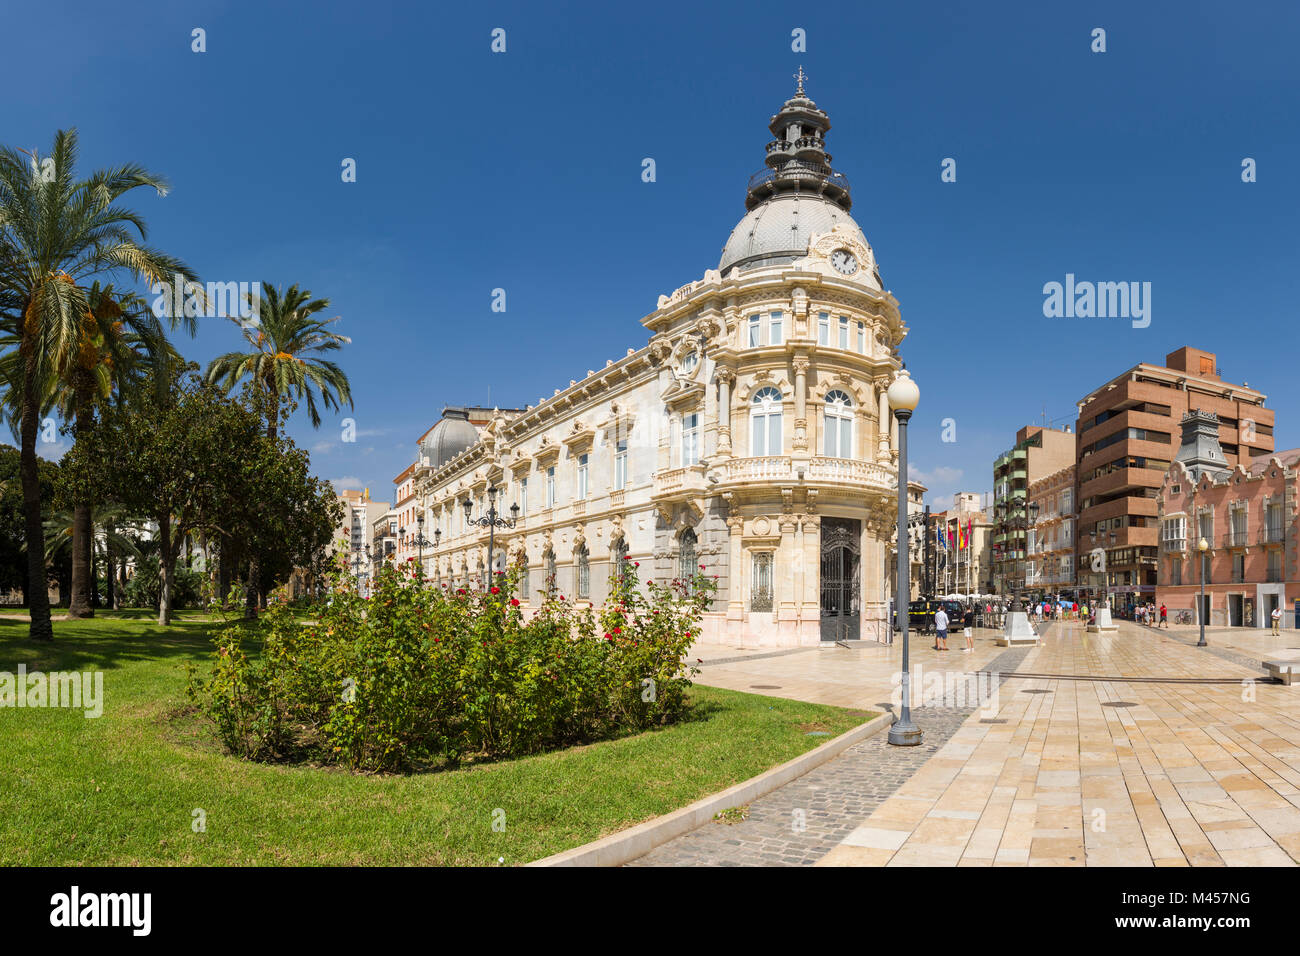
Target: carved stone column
<point>882,424</point>
<point>736,573</point>
<point>726,377</point>
<point>787,594</point>
<point>801,404</point>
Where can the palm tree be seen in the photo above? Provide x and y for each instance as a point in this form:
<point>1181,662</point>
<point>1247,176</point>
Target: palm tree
<point>56,231</point>
<point>120,336</point>
<point>284,364</point>
<point>109,538</point>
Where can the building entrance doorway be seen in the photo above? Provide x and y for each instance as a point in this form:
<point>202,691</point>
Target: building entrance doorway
<point>841,570</point>
<point>1234,610</point>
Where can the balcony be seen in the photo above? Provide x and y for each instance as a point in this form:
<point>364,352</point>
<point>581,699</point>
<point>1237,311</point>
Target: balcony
<point>1235,539</point>
<point>1272,534</point>
<point>818,472</point>
<point>680,482</point>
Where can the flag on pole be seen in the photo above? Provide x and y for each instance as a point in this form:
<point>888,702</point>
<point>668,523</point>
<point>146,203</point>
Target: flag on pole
<point>938,534</point>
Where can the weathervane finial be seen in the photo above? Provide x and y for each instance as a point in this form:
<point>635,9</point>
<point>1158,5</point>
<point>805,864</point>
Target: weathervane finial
<point>800,77</point>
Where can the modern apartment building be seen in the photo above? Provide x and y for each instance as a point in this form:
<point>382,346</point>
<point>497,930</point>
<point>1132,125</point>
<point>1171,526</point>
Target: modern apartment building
<point>1050,559</point>
<point>1038,452</point>
<point>1127,435</point>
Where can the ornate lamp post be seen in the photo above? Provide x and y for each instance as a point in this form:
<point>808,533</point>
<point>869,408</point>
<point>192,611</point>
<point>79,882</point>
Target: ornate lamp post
<point>1202,546</point>
<point>903,396</point>
<point>490,520</point>
<point>420,541</point>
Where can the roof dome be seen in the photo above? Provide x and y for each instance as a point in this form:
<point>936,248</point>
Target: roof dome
<point>452,435</point>
<point>795,196</point>
<point>778,229</point>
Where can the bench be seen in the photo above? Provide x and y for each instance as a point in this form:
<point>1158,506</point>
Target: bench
<point>1284,671</point>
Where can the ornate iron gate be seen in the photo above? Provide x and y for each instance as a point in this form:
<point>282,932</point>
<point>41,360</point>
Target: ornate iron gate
<point>840,579</point>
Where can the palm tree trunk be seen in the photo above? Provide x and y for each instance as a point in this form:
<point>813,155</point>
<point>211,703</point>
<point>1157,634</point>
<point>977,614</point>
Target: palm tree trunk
<point>79,605</point>
<point>37,580</point>
<point>79,601</point>
<point>110,595</point>
<point>166,564</point>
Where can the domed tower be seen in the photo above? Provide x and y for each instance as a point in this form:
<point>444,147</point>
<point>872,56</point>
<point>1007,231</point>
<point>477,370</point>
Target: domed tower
<point>796,196</point>
<point>778,452</point>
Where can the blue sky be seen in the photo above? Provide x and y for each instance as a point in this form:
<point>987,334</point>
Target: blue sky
<point>522,170</point>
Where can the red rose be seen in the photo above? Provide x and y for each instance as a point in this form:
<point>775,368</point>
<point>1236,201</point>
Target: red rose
<point>514,602</point>
<point>618,630</point>
<point>496,590</point>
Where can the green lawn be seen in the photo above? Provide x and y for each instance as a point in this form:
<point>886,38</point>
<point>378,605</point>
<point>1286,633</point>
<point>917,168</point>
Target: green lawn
<point>121,789</point>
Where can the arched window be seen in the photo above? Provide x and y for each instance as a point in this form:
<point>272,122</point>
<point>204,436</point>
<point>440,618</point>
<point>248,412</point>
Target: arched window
<point>686,566</point>
<point>766,414</point>
<point>582,556</point>
<point>839,425</point>
<point>620,557</point>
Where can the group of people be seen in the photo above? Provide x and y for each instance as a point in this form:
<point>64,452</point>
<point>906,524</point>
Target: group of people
<point>942,622</point>
<point>1146,614</point>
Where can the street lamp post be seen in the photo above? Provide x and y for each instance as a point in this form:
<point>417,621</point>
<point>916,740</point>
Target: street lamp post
<point>420,541</point>
<point>1202,546</point>
<point>903,396</point>
<point>491,520</point>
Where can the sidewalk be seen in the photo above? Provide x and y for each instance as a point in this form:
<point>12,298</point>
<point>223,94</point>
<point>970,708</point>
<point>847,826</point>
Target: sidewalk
<point>1161,754</point>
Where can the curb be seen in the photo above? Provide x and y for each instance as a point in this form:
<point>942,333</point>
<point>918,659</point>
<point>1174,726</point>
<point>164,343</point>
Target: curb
<point>626,845</point>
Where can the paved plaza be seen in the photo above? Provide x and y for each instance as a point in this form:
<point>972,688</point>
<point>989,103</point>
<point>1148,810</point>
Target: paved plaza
<point>1126,749</point>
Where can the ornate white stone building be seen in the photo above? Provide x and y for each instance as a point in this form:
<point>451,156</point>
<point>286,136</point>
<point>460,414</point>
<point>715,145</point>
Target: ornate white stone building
<point>750,435</point>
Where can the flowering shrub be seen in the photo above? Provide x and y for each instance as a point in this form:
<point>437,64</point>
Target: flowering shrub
<point>415,673</point>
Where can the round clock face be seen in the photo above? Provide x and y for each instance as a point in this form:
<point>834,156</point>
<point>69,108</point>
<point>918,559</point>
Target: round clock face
<point>844,262</point>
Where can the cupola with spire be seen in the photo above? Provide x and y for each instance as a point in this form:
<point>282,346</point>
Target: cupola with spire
<point>797,194</point>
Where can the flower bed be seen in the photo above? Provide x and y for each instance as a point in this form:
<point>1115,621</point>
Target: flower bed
<point>415,673</point>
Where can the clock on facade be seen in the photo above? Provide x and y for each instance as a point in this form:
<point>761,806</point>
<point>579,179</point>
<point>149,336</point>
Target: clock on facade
<point>844,262</point>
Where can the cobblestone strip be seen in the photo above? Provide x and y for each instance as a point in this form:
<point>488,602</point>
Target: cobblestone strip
<point>753,657</point>
<point>801,822</point>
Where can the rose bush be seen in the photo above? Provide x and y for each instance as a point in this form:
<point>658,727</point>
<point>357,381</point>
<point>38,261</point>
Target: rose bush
<point>417,673</point>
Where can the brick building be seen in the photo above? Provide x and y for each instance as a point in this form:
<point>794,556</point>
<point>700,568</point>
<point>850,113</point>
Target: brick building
<point>1247,516</point>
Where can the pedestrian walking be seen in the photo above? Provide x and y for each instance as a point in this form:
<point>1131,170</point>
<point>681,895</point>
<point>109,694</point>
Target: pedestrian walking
<point>940,630</point>
<point>968,623</point>
<point>1164,615</point>
<point>1277,620</point>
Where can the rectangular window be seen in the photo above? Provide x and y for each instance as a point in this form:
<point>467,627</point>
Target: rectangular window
<point>754,327</point>
<point>824,329</point>
<point>862,338</point>
<point>620,466</point>
<point>844,332</point>
<point>523,497</point>
<point>774,329</point>
<point>690,439</point>
<point>760,593</point>
<point>550,487</point>
<point>582,477</point>
<point>1175,572</point>
<point>1274,567</point>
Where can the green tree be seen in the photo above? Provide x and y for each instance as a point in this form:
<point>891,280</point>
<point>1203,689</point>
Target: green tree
<point>284,366</point>
<point>55,232</point>
<point>284,360</point>
<point>182,458</point>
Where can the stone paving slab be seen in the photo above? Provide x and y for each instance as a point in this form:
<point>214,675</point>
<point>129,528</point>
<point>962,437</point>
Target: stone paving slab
<point>1162,755</point>
<point>801,822</point>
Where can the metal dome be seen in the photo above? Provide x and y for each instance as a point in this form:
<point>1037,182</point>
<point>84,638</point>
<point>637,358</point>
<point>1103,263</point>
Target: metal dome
<point>452,435</point>
<point>779,228</point>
